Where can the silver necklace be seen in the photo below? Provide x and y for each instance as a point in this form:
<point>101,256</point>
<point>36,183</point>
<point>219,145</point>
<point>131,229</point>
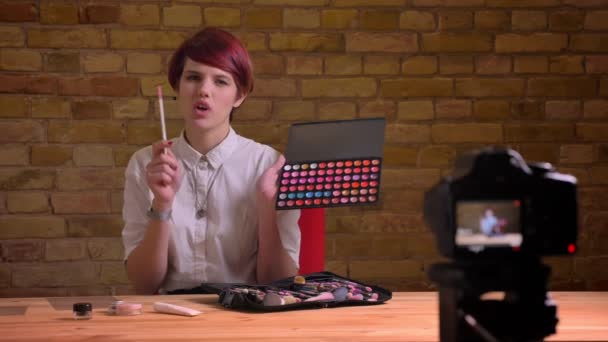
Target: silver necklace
<point>199,207</point>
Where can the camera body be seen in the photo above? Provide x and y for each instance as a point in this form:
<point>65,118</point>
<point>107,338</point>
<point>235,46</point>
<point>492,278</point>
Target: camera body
<point>496,207</point>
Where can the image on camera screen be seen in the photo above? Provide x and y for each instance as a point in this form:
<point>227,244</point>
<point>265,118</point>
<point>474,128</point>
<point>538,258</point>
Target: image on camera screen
<point>492,223</point>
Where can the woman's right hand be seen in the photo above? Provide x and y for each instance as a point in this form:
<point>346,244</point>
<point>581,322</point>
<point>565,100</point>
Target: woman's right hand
<point>163,175</point>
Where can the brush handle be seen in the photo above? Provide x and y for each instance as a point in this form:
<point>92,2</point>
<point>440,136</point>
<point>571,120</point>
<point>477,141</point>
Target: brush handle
<point>161,106</point>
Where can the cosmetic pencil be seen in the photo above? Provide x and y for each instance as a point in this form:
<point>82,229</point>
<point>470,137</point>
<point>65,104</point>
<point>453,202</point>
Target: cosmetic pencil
<point>161,107</point>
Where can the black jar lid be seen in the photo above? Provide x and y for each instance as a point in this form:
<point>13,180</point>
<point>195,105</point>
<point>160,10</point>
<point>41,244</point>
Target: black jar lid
<point>82,307</point>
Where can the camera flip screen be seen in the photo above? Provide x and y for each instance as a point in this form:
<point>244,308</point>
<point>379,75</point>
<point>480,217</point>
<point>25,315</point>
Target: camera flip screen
<point>488,223</point>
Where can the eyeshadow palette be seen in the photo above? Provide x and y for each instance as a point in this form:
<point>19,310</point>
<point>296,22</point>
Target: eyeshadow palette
<point>332,163</point>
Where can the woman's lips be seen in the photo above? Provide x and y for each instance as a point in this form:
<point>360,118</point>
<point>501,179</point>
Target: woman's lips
<point>201,109</point>
<point>200,112</point>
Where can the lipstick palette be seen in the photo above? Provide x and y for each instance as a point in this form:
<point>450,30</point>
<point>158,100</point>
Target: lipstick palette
<point>332,163</point>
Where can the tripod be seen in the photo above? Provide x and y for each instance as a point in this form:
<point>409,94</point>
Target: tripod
<point>525,314</point>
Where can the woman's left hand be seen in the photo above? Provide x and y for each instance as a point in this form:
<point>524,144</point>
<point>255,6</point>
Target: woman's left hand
<point>267,184</point>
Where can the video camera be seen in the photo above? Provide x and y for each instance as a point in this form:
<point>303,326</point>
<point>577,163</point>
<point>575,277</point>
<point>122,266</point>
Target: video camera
<point>495,216</point>
<point>495,206</point>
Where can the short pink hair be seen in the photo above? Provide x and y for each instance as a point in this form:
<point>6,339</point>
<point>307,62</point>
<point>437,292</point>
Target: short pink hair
<point>219,49</point>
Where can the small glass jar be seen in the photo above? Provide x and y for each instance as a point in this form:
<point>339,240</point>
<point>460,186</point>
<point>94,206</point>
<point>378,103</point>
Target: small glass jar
<point>128,309</point>
<point>82,311</point>
<point>113,305</point>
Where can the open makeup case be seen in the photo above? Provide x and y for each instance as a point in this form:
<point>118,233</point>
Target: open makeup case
<point>315,290</point>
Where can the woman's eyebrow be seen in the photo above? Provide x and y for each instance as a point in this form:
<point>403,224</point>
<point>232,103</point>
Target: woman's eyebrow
<point>216,75</point>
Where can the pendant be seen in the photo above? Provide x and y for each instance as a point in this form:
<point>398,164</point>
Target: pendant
<point>200,213</point>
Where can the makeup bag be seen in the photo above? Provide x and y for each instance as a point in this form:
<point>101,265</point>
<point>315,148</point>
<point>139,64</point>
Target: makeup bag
<point>315,290</point>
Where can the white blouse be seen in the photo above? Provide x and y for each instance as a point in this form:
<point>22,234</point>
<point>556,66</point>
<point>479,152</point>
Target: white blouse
<point>214,237</point>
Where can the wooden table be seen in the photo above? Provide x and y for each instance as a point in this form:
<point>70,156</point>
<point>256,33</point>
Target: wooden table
<point>409,316</point>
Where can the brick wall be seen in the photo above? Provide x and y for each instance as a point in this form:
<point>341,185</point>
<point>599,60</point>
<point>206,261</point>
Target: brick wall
<point>77,94</point>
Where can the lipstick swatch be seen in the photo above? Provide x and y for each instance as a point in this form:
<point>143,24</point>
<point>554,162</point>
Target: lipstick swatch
<point>329,183</point>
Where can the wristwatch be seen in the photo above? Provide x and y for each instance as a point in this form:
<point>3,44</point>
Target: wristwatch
<point>164,215</point>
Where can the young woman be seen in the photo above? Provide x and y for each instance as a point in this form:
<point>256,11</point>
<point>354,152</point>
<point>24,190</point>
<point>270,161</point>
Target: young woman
<point>200,207</point>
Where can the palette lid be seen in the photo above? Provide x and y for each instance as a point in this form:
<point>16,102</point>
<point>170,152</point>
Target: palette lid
<point>332,140</point>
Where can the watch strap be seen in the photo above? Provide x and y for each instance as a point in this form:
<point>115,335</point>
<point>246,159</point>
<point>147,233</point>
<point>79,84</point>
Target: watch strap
<point>163,215</point>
